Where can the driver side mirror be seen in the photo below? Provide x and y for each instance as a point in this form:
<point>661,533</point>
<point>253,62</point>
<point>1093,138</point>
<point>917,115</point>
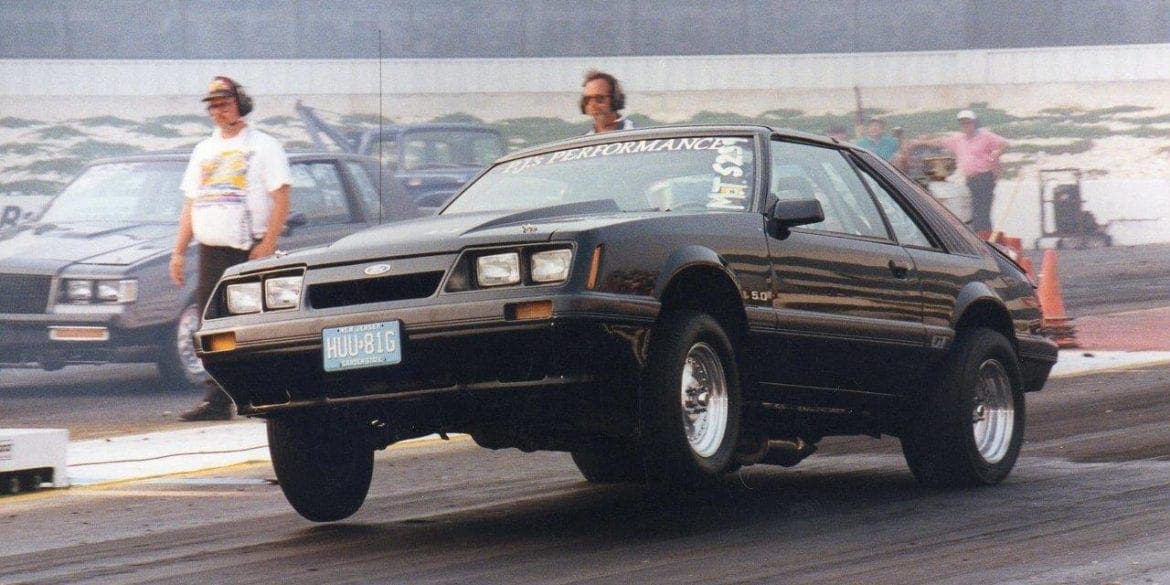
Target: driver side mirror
<point>294,220</point>
<point>784,214</point>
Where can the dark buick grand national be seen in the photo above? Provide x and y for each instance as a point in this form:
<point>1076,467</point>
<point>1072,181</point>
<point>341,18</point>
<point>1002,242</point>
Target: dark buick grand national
<point>664,304</point>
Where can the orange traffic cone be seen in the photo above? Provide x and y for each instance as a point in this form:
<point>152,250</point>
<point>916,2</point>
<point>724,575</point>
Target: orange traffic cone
<point>1055,324</point>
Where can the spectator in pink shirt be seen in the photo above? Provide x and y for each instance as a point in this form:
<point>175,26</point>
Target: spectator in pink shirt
<point>977,153</point>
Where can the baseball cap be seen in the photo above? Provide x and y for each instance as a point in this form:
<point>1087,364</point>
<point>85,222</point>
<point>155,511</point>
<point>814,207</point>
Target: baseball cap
<point>220,87</point>
<point>967,115</point>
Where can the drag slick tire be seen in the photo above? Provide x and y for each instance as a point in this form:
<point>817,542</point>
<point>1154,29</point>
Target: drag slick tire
<point>323,466</point>
<point>968,432</point>
<point>690,402</point>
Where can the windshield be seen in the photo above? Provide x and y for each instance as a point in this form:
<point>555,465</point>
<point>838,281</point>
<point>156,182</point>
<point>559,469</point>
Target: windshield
<point>142,192</point>
<point>694,173</point>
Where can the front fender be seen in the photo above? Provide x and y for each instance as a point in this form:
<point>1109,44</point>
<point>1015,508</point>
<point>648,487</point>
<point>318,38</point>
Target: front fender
<point>688,257</point>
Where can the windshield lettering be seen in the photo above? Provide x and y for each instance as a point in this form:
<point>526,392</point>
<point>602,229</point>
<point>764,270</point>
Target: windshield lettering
<point>675,174</point>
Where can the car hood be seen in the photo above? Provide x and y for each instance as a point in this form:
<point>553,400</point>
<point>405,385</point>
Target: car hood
<point>117,244</point>
<point>449,233</point>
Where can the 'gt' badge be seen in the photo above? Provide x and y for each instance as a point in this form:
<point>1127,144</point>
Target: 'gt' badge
<point>376,269</point>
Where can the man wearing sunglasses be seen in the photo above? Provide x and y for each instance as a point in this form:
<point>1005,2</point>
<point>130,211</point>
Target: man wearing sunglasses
<point>601,99</point>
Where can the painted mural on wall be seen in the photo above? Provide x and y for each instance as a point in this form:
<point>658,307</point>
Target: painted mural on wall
<point>1116,140</point>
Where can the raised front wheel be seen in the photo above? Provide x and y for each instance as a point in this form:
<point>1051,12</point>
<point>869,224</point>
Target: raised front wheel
<point>323,466</point>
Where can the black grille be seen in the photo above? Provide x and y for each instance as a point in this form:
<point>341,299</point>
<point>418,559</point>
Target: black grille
<point>23,293</point>
<point>374,290</point>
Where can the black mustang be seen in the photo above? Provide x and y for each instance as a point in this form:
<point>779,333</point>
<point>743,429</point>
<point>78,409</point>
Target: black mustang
<point>665,304</point>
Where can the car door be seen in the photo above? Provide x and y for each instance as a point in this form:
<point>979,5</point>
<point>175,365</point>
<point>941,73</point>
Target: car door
<point>942,272</point>
<point>846,295</point>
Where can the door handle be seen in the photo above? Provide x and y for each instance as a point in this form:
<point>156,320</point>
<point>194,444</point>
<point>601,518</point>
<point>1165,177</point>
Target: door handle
<point>899,270</point>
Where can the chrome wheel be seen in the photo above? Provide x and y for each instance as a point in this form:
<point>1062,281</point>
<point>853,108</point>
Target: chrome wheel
<point>185,342</point>
<point>993,412</point>
<point>704,395</point>
<point>690,403</point>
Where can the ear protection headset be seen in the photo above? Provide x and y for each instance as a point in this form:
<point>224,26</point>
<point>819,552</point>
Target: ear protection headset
<point>617,98</point>
<point>243,100</point>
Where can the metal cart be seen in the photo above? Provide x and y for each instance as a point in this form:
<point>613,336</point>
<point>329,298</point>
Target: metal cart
<point>1064,223</point>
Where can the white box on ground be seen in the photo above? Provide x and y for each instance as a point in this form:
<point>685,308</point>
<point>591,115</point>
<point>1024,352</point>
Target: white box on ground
<point>28,452</point>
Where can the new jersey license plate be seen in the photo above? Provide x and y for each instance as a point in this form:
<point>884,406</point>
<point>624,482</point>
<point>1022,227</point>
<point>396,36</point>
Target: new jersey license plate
<point>361,346</point>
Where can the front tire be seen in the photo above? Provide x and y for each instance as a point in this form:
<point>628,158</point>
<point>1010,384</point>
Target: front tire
<point>179,367</point>
<point>690,401</point>
<point>323,466</point>
<point>970,430</point>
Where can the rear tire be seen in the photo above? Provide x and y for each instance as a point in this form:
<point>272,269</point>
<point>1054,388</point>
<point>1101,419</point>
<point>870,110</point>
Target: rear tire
<point>690,401</point>
<point>179,367</point>
<point>970,429</point>
<point>323,466</point>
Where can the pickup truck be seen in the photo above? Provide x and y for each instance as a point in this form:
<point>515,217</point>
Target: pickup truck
<point>430,161</point>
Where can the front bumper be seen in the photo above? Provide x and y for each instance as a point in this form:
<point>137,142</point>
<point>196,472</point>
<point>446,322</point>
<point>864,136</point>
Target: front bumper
<point>1038,355</point>
<point>53,341</point>
<point>454,355</point>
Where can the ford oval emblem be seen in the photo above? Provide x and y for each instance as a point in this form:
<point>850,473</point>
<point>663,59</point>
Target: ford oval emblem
<point>377,269</point>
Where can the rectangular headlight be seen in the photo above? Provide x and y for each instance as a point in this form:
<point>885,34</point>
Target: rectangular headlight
<point>244,298</point>
<point>498,269</point>
<point>78,291</point>
<point>551,265</point>
<point>283,292</point>
<point>117,291</point>
<point>86,291</point>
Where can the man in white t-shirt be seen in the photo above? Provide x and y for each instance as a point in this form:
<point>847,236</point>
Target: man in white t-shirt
<point>237,199</point>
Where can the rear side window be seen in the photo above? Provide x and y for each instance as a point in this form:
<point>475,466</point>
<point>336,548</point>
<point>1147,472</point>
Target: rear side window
<point>951,234</point>
<point>903,224</point>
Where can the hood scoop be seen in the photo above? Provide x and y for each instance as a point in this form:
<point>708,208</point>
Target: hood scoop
<point>584,207</point>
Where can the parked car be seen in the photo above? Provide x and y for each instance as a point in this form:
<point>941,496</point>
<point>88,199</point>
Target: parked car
<point>666,304</point>
<point>433,161</point>
<point>88,281</point>
<point>430,161</point>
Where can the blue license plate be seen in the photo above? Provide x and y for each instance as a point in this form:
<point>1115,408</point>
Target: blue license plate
<point>361,346</point>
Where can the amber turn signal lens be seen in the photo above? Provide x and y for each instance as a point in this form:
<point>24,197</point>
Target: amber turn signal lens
<point>594,266</point>
<point>79,333</point>
<point>533,310</point>
<point>220,341</point>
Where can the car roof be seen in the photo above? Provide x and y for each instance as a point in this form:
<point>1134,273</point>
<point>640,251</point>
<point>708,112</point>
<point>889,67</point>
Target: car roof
<point>670,131</point>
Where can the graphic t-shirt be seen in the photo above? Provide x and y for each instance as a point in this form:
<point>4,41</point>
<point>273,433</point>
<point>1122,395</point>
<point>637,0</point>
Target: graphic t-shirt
<point>229,181</point>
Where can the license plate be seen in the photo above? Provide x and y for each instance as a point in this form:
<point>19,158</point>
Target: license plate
<point>361,346</point>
